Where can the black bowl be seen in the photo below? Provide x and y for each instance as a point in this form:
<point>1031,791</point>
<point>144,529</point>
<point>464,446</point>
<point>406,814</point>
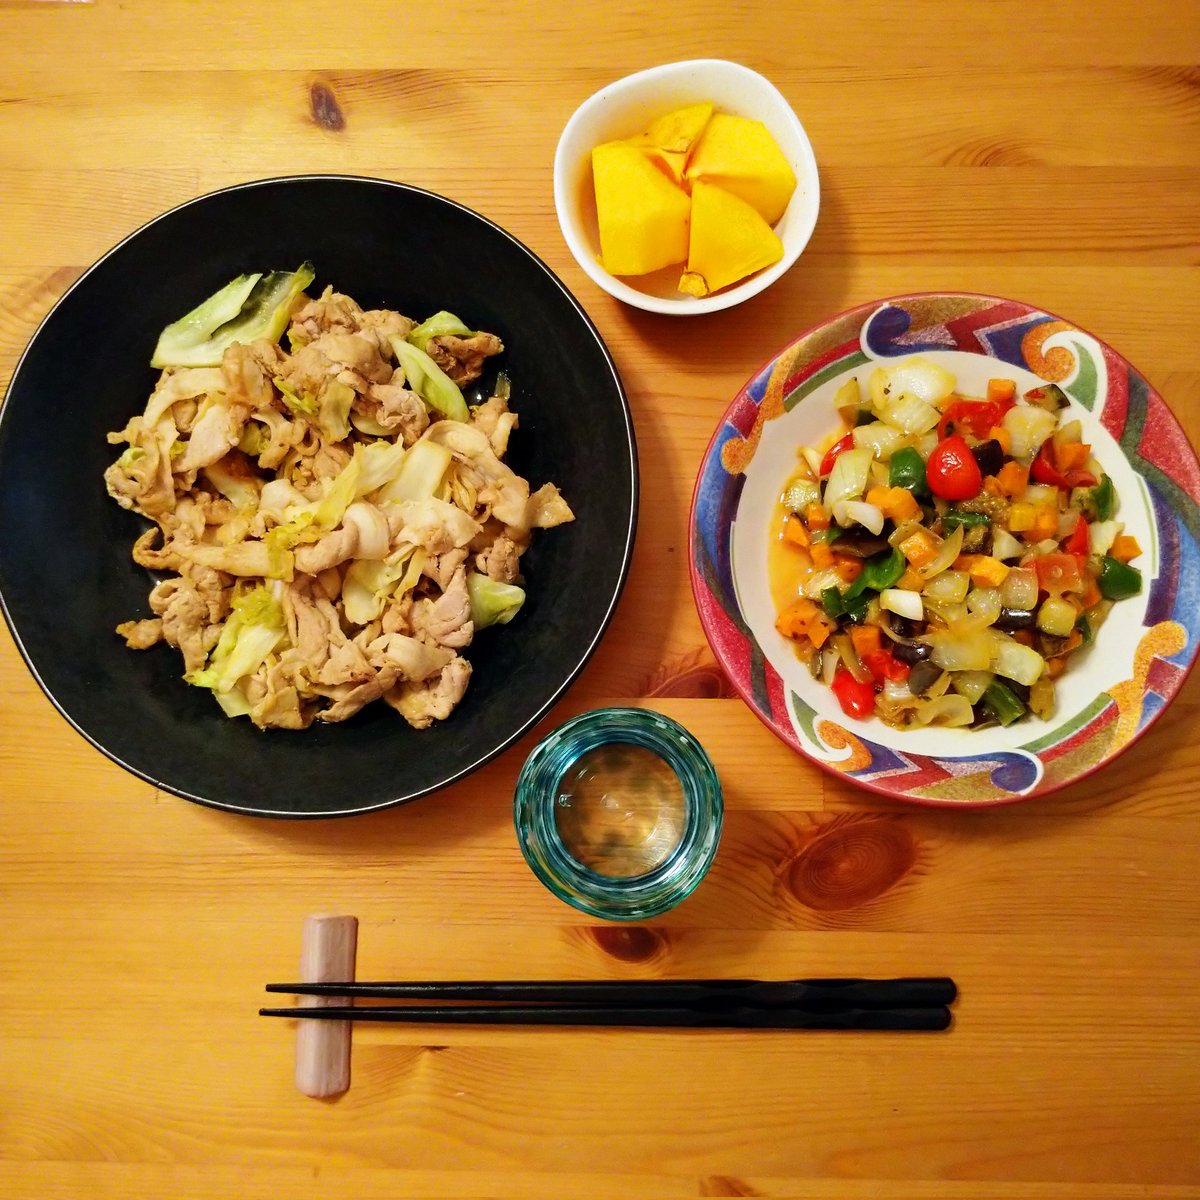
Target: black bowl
<point>66,576</point>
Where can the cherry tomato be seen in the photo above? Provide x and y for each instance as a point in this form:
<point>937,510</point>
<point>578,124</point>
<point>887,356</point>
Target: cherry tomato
<point>846,443</point>
<point>951,470</point>
<point>1077,543</point>
<point>857,699</point>
<point>1058,573</point>
<point>977,416</point>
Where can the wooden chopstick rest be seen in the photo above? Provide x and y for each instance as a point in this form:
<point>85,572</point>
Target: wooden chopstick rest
<point>328,945</point>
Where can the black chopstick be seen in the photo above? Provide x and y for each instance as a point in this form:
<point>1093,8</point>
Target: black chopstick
<point>931,1018</point>
<point>812,995</point>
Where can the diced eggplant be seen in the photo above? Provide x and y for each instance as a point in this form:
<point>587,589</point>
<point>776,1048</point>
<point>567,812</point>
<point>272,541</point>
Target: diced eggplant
<point>990,456</point>
<point>1015,618</point>
<point>922,677</point>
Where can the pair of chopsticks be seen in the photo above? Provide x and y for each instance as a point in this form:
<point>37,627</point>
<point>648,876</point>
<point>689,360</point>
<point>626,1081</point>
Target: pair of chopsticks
<point>888,1004</point>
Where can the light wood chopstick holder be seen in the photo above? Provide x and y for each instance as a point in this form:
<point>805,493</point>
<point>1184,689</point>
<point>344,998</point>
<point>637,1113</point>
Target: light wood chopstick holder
<point>328,945</point>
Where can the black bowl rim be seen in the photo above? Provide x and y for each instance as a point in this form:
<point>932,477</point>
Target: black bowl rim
<point>569,678</point>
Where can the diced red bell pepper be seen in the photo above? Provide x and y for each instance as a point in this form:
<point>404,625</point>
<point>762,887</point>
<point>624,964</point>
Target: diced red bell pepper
<point>884,665</point>
<point>979,417</point>
<point>1077,543</point>
<point>857,699</point>
<point>846,443</point>
<point>1045,470</point>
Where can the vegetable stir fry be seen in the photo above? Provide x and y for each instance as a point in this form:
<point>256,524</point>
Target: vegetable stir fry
<point>942,561</point>
<point>336,522</point>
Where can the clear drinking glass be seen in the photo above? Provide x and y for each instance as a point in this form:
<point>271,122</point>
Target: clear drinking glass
<point>618,812</point>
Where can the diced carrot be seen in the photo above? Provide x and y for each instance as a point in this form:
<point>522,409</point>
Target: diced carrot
<point>815,517</point>
<point>1001,390</point>
<point>1013,479</point>
<point>866,639</point>
<point>820,628</point>
<point>1125,548</point>
<point>1091,594</point>
<point>1024,636</point>
<point>1022,517</point>
<point>918,548</point>
<point>877,495</point>
<point>911,581</point>
<point>1046,524</point>
<point>964,562</point>
<point>822,555</point>
<point>794,532</point>
<point>1000,434</point>
<point>901,505</point>
<point>1055,667</point>
<point>795,620</point>
<point>987,571</point>
<point>1072,456</point>
<point>848,567</point>
<point>992,486</point>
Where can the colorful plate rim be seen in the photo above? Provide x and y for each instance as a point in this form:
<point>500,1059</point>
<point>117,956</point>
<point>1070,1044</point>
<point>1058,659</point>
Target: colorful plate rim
<point>1140,422</point>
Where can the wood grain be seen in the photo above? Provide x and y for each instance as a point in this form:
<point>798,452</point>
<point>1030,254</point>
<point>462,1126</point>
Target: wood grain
<point>1047,153</point>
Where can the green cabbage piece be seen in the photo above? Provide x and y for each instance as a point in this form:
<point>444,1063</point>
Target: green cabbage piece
<point>429,381</point>
<point>296,401</point>
<point>420,475</point>
<point>368,585</point>
<point>333,415</point>
<point>379,463</point>
<point>492,602</point>
<point>440,324</point>
<point>246,309</point>
<point>253,630</point>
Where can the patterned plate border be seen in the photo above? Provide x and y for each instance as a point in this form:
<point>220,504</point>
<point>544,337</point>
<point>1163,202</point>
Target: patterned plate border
<point>1094,375</point>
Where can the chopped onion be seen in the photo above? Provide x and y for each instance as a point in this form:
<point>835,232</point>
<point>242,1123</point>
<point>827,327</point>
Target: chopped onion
<point>921,377</point>
<point>910,413</point>
<point>947,611</point>
<point>1101,535</point>
<point>845,647</point>
<point>848,479</point>
<point>985,603</point>
<point>847,400</point>
<point>1019,589</point>
<point>1015,661</point>
<point>876,385</point>
<point>953,711</point>
<point>847,512</point>
<point>813,459</point>
<point>949,585</point>
<point>904,530</point>
<point>972,684</point>
<point>801,493</point>
<point>1067,520</point>
<point>903,603</point>
<point>1028,427</point>
<point>818,581</point>
<point>1004,545</point>
<point>961,651</point>
<point>829,665</point>
<point>948,552</point>
<point>926,442</point>
<point>881,439</point>
<point>1040,495</point>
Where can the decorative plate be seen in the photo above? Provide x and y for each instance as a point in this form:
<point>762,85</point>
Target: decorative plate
<point>1107,699</point>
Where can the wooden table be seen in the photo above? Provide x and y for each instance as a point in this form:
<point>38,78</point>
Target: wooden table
<point>1046,152</point>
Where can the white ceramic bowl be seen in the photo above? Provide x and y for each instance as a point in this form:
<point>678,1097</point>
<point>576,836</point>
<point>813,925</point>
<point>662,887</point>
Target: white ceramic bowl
<point>625,108</point>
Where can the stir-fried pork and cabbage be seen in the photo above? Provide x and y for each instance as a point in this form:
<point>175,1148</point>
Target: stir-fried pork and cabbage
<point>333,521</point>
<point>942,561</point>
